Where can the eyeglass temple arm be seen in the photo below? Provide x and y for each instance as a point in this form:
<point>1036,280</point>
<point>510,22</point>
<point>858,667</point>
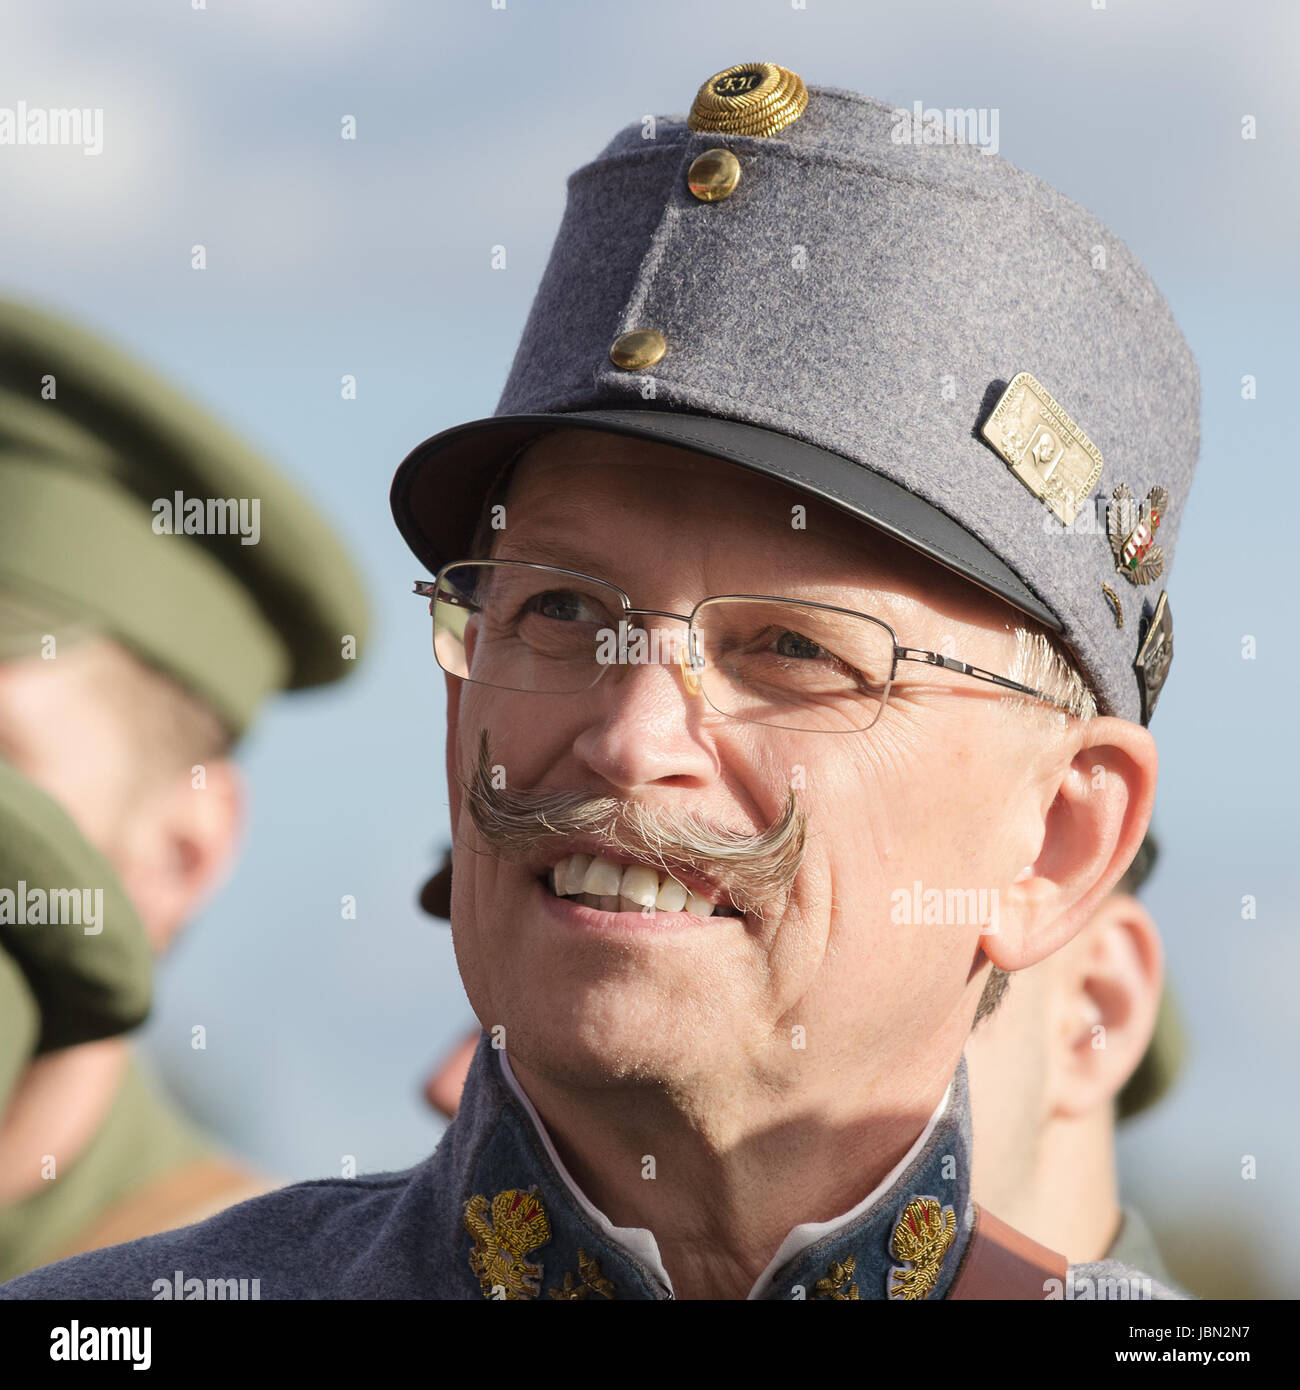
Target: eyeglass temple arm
<point>426,588</point>
<point>950,663</point>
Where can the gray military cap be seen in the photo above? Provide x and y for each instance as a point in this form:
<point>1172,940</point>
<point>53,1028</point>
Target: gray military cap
<point>819,288</point>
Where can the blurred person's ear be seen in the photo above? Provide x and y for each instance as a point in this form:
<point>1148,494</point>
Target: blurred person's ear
<point>177,843</point>
<point>1105,1006</point>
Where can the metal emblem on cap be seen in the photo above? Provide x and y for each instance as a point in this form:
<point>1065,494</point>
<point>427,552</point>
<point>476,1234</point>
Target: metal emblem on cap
<point>1132,530</point>
<point>640,348</point>
<point>1047,451</point>
<point>1116,606</point>
<point>749,99</point>
<point>1154,656</point>
<point>713,175</point>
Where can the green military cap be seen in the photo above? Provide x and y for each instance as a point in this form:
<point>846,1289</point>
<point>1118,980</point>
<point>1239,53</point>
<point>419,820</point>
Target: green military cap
<point>20,1026</point>
<point>70,940</point>
<point>128,510</point>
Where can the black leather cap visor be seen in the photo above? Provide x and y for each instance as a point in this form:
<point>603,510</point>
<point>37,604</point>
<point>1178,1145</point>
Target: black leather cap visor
<point>440,488</point>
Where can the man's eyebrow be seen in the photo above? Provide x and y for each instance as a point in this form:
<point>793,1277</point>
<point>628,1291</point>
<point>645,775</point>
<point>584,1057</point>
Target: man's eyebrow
<point>560,553</point>
<point>565,555</point>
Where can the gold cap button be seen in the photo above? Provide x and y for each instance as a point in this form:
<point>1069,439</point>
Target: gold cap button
<point>713,175</point>
<point>749,99</point>
<point>643,347</point>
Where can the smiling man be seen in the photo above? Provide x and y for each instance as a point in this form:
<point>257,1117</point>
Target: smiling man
<point>802,621</point>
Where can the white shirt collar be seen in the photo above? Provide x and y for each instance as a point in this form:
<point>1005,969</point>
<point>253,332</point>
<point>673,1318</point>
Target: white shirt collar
<point>638,1241</point>
<point>634,1239</point>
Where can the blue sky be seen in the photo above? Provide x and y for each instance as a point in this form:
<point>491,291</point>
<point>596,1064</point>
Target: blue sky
<point>371,257</point>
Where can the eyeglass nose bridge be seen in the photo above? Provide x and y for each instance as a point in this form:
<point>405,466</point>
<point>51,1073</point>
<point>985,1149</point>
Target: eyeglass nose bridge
<point>691,663</point>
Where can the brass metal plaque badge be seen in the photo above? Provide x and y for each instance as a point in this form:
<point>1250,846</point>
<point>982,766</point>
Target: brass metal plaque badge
<point>1046,450</point>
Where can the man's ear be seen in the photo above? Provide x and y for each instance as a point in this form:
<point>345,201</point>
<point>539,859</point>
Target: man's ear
<point>177,843</point>
<point>1097,799</point>
<point>1104,1007</point>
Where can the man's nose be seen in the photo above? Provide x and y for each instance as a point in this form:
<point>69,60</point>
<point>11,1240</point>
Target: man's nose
<point>644,725</point>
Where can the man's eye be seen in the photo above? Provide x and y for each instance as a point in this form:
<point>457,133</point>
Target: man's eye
<point>795,644</point>
<point>562,607</point>
<point>803,658</point>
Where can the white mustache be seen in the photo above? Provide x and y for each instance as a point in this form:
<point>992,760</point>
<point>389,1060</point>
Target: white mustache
<point>754,870</point>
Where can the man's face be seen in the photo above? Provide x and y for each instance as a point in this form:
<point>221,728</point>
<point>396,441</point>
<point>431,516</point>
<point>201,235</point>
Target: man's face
<point>920,798</point>
<point>57,729</point>
<point>72,726</point>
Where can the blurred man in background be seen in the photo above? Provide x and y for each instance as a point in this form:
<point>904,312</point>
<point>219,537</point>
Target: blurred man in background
<point>1079,1042</point>
<point>158,580</point>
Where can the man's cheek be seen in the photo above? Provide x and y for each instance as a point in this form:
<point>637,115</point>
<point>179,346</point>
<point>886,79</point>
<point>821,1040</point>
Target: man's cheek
<point>454,759</point>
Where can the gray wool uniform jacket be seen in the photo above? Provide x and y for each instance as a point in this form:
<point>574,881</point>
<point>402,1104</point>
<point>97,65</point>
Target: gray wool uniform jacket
<point>492,1213</point>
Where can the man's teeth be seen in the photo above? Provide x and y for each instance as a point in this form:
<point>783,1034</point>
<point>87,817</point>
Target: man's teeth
<point>627,888</point>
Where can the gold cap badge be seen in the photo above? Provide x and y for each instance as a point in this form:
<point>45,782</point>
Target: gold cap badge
<point>1047,451</point>
<point>749,99</point>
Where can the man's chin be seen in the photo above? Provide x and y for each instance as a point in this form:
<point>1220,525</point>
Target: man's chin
<point>609,1042</point>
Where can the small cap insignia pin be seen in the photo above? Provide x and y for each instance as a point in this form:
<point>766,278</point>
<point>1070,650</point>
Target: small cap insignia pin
<point>749,99</point>
<point>1046,450</point>
<point>1132,529</point>
<point>1154,656</point>
<point>1116,606</point>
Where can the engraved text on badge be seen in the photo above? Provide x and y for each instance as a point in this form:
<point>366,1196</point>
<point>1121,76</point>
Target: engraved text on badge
<point>1047,451</point>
